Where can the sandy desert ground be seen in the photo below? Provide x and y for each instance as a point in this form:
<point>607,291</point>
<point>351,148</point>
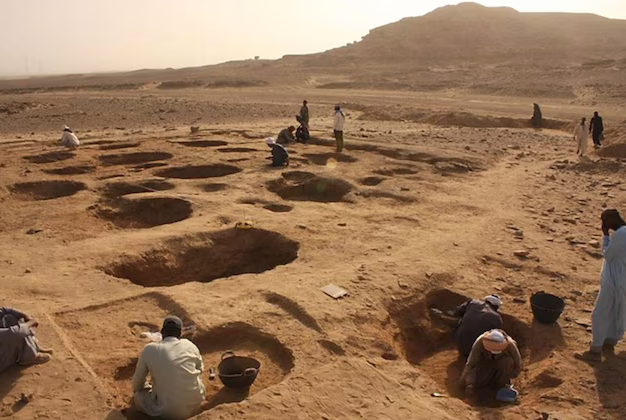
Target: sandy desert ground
<point>426,207</point>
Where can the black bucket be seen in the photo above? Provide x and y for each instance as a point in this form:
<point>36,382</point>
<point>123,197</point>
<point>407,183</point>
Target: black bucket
<point>238,372</point>
<point>546,308</point>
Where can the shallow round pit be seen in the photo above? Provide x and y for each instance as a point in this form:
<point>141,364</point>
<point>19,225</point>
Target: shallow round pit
<point>278,208</point>
<point>325,158</point>
<point>203,143</point>
<point>71,170</point>
<point>237,150</point>
<point>115,146</point>
<point>199,172</point>
<point>396,171</point>
<point>45,190</point>
<point>303,187</point>
<point>371,181</point>
<point>119,189</point>
<point>205,257</point>
<point>213,187</point>
<point>134,158</point>
<point>50,157</point>
<point>147,213</point>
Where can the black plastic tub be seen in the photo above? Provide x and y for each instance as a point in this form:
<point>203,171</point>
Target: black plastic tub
<point>238,372</point>
<point>546,308</point>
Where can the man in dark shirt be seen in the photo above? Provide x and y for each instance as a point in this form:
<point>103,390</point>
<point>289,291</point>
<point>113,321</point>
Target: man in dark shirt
<point>596,128</point>
<point>476,317</point>
<point>304,114</point>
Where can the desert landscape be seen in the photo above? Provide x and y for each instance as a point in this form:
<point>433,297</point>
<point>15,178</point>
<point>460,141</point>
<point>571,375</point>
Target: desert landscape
<point>445,192</point>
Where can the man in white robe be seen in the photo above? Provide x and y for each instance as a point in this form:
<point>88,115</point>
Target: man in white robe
<point>69,139</point>
<point>580,136</point>
<point>609,313</point>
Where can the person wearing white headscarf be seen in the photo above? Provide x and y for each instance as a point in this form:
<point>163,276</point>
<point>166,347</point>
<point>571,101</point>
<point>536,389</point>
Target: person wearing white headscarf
<point>339,122</point>
<point>69,139</point>
<point>476,317</point>
<point>580,136</point>
<point>494,360</point>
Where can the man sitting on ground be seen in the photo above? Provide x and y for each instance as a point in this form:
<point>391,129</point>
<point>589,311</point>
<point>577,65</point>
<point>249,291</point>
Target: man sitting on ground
<point>18,345</point>
<point>175,366</point>
<point>476,317</point>
<point>286,135</point>
<point>492,363</point>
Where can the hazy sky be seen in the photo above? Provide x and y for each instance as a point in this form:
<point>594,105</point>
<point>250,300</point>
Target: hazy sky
<point>61,36</point>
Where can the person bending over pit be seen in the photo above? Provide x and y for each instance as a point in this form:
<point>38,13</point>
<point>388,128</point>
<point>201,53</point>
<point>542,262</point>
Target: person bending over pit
<point>18,344</point>
<point>286,135</point>
<point>476,317</point>
<point>492,363</point>
<point>280,156</point>
<point>608,319</point>
<point>69,139</point>
<point>175,366</point>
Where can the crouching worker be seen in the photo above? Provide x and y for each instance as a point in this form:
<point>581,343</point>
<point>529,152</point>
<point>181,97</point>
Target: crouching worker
<point>18,345</point>
<point>286,135</point>
<point>175,366</point>
<point>476,317</point>
<point>69,139</point>
<point>280,157</point>
<point>492,363</point>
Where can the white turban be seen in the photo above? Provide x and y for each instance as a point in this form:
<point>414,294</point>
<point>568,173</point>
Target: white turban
<point>494,300</point>
<point>270,141</point>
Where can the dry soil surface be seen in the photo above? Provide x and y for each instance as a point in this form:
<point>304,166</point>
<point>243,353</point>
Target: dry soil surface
<point>100,243</point>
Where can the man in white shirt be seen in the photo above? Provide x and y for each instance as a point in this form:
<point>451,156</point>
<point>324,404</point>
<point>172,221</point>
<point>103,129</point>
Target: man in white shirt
<point>69,139</point>
<point>580,136</point>
<point>338,124</point>
<point>175,366</point>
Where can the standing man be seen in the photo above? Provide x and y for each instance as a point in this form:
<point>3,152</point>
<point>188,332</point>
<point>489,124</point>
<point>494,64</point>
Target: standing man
<point>596,128</point>
<point>175,366</point>
<point>608,320</point>
<point>304,114</point>
<point>580,136</point>
<point>338,124</point>
<point>476,317</point>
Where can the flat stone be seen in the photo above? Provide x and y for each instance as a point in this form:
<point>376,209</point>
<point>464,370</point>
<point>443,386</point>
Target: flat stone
<point>521,253</point>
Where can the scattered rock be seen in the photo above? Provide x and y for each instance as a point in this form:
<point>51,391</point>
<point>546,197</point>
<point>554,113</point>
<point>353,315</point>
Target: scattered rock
<point>594,244</point>
<point>570,220</point>
<point>33,231</point>
<point>521,253</point>
<point>28,270</point>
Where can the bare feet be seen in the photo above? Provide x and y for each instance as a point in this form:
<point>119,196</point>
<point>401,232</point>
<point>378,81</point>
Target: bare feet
<point>45,350</point>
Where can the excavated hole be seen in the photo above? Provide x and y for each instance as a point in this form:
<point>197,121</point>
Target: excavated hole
<point>45,190</point>
<point>278,208</point>
<point>116,146</point>
<point>302,186</point>
<point>71,170</point>
<point>244,339</point>
<point>395,171</point>
<point>205,257</point>
<point>213,187</point>
<point>50,157</point>
<point>199,172</point>
<point>324,158</point>
<point>425,339</point>
<point>237,150</point>
<point>134,158</point>
<point>203,143</point>
<point>118,189</point>
<point>147,212</point>
<point>371,181</point>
